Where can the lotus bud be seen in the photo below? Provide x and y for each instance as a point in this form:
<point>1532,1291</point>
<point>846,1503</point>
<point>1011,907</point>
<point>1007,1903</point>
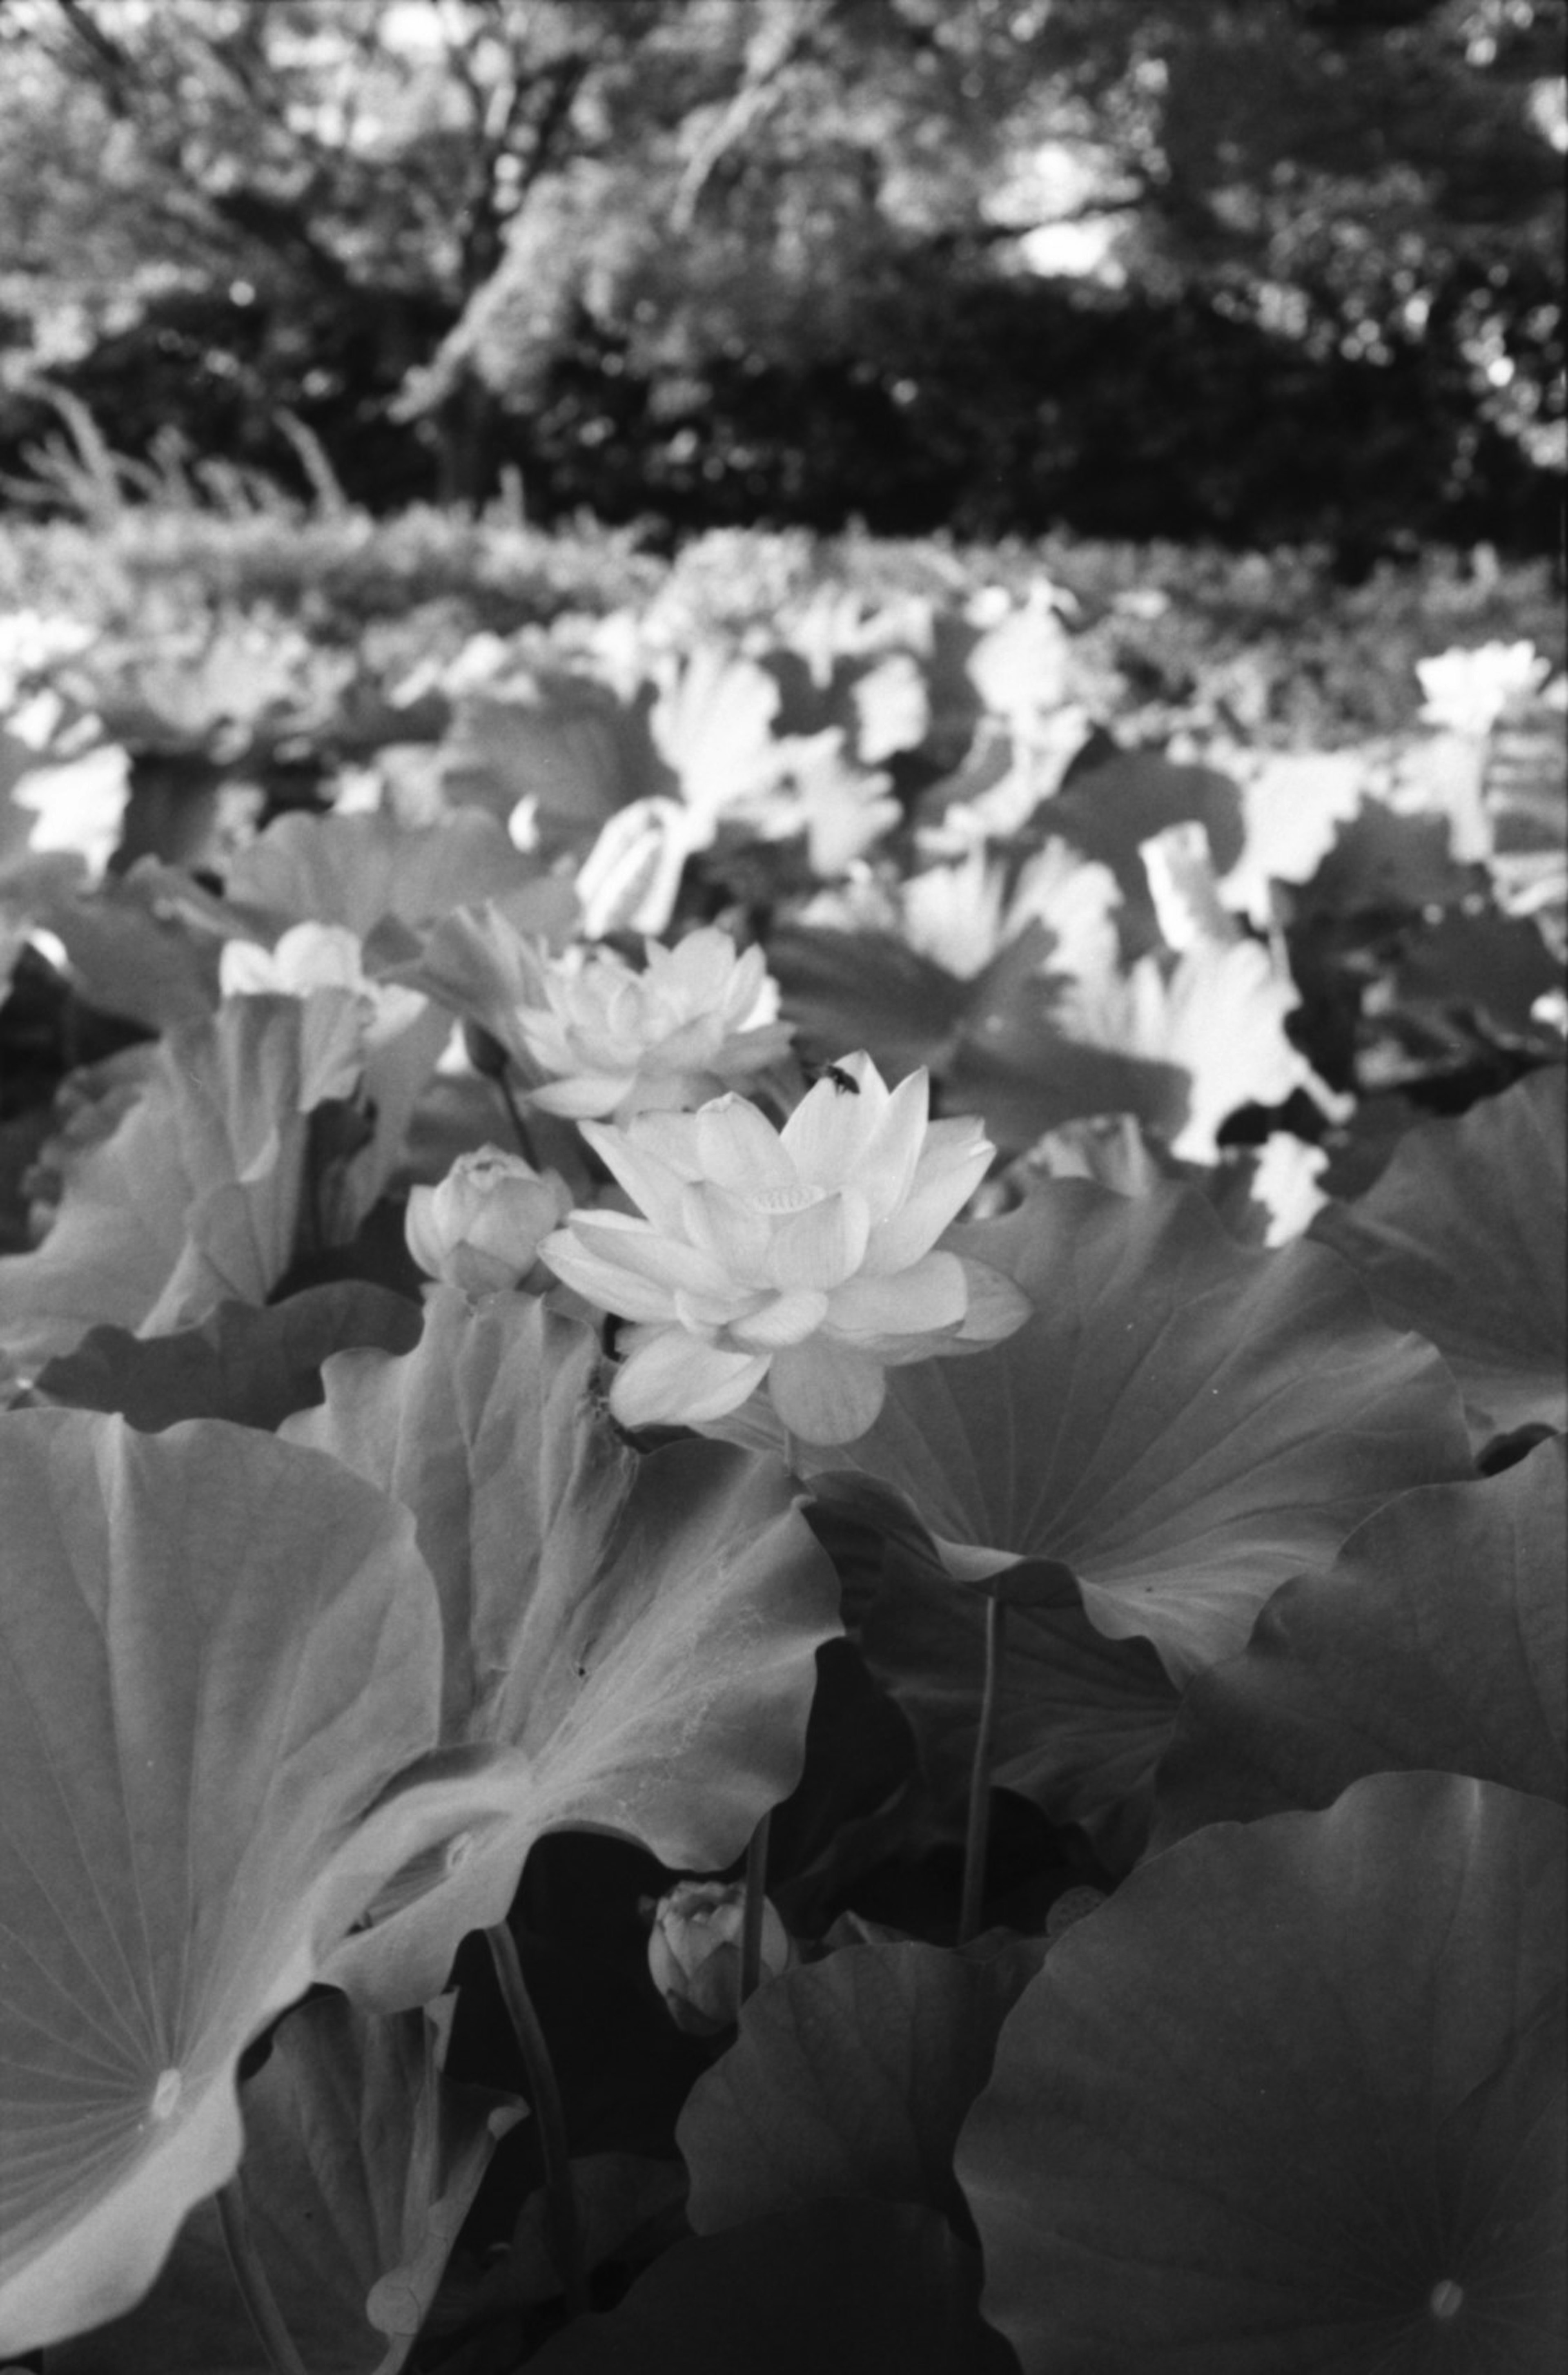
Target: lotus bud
<point>480,1229</point>
<point>694,1953</point>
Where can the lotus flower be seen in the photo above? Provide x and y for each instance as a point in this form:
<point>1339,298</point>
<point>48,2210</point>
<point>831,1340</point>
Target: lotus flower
<point>699,1019</point>
<point>694,1953</point>
<point>1467,690</point>
<point>480,1229</point>
<point>802,1256</point>
<point>318,956</point>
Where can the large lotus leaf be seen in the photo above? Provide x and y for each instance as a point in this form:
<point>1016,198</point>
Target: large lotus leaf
<point>130,957</point>
<point>996,1037</point>
<point>849,2076</point>
<point>255,1366</point>
<point>847,989</point>
<point>841,2287</point>
<point>1183,1423</point>
<point>360,2163</point>
<point>1292,2100</point>
<point>1462,1238</point>
<point>357,870</point>
<point>195,1198</point>
<point>562,740</point>
<point>1111,809</point>
<point>1082,1720</point>
<point>1485,971</point>
<point>1438,1639</point>
<point>1026,1064</point>
<point>630,1642</point>
<point>216,1649</point>
<point>1384,861</point>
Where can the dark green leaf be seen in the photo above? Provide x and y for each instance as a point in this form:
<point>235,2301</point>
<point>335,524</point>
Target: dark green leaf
<point>1438,1639</point>
<point>841,2287</point>
<point>1462,1239</point>
<point>254,1366</point>
<point>1291,2103</point>
<point>852,2075</point>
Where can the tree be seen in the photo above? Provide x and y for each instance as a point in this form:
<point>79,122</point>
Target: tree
<point>628,243</point>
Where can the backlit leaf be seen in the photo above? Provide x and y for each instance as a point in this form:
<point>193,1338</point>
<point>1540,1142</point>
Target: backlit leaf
<point>1183,1423</point>
<point>361,2162</point>
<point>630,1642</point>
<point>214,1650</point>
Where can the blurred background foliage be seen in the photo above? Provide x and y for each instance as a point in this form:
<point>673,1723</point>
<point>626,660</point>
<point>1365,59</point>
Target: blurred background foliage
<point>1245,271</point>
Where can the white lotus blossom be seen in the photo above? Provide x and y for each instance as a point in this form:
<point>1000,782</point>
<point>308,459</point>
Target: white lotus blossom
<point>805,1256</point>
<point>1468,690</point>
<point>319,956</point>
<point>32,642</point>
<point>481,1227</point>
<point>701,1017</point>
<point>963,916</point>
<point>79,804</point>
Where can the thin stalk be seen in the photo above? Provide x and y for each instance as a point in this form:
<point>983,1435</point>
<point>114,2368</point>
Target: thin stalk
<point>754,1911</point>
<point>255,2289</point>
<point>519,1127</point>
<point>979,1824</point>
<point>544,2094</point>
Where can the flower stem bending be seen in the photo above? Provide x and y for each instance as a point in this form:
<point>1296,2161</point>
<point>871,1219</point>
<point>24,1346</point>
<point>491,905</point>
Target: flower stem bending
<point>252,2279</point>
<point>756,1909</point>
<point>544,2095</point>
<point>979,1824</point>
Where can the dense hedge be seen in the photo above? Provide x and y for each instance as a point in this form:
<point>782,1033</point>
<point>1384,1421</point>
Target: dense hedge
<point>982,407</point>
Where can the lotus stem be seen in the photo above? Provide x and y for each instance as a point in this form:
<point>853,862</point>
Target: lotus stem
<point>519,1127</point>
<point>252,2279</point>
<point>973,1896</point>
<point>754,1912</point>
<point>544,2094</point>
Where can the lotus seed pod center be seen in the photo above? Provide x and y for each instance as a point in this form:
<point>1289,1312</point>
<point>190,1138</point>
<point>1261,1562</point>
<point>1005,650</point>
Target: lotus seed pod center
<point>1447,2298</point>
<point>166,2094</point>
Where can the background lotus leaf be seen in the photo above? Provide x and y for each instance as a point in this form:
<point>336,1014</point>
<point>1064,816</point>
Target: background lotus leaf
<point>1292,2100</point>
<point>1462,1238</point>
<point>194,1197</point>
<point>996,1037</point>
<point>358,870</point>
<point>629,1641</point>
<point>214,1649</point>
<point>1438,1639</point>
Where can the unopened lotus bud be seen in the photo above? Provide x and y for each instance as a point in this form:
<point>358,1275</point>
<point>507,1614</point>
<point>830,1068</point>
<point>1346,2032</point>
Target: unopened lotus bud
<point>694,1953</point>
<point>480,1228</point>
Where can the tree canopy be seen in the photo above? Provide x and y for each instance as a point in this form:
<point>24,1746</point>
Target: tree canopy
<point>1235,267</point>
